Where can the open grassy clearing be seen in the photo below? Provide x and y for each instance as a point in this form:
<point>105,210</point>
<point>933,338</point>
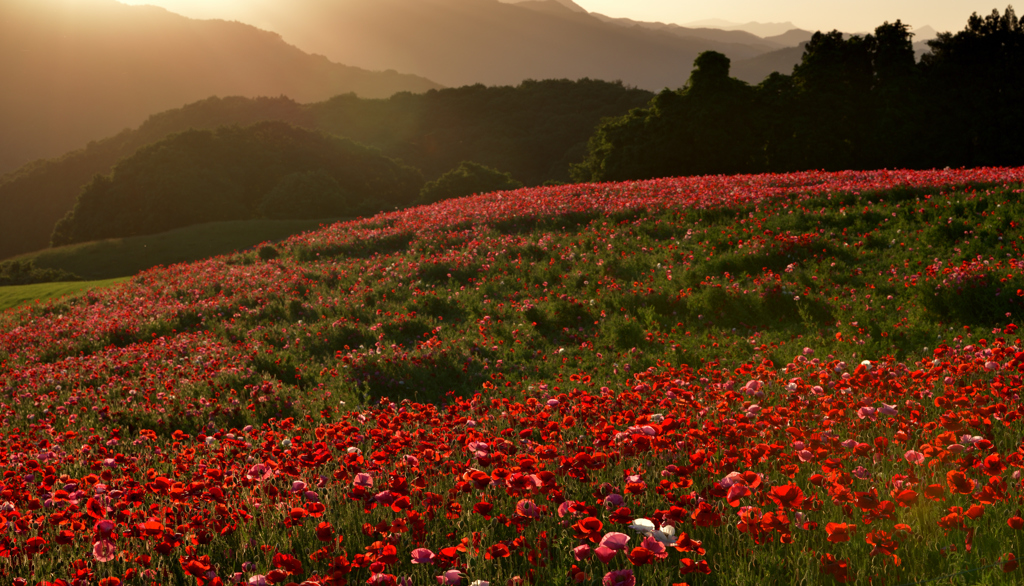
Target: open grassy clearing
<point>16,295</point>
<point>124,257</point>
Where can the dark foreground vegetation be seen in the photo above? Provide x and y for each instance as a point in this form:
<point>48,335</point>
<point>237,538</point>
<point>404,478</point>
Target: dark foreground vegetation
<point>808,378</point>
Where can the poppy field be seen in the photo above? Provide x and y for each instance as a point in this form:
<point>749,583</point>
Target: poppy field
<point>809,378</point>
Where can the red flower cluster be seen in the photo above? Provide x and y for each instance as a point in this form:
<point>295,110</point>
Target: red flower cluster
<point>215,452</point>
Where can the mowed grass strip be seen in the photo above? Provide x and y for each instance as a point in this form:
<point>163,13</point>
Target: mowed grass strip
<point>16,295</point>
<point>124,257</point>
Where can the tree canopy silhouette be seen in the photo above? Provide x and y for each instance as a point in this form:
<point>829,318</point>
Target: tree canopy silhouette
<point>853,102</point>
<point>702,128</point>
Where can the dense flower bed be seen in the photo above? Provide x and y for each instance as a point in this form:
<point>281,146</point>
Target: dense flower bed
<point>709,380</point>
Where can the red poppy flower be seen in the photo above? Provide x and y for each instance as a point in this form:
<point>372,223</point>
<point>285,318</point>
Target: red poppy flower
<point>498,550</point>
<point>839,532</point>
<point>705,516</point>
<point>959,483</point>
<point>975,511</point>
<point>1010,564</point>
<point>906,497</point>
<point>935,492</point>
<point>196,566</point>
<point>324,531</point>
<point>641,556</point>
<point>589,528</point>
<point>837,568</point>
<point>883,544</point>
<point>688,566</point>
<point>788,496</point>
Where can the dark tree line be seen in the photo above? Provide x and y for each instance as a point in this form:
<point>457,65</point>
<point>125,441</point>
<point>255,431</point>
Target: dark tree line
<point>852,103</point>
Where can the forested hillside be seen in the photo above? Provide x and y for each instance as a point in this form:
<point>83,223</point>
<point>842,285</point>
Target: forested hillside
<point>533,131</point>
<point>271,170</point>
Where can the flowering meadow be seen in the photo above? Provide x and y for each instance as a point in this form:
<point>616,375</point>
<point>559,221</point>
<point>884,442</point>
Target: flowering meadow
<point>811,378</point>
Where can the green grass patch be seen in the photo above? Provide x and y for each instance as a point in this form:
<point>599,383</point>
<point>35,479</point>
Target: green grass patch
<point>123,257</point>
<point>16,295</point>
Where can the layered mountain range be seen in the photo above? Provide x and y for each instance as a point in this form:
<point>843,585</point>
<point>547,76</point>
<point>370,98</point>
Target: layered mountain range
<point>79,71</point>
<point>461,42</point>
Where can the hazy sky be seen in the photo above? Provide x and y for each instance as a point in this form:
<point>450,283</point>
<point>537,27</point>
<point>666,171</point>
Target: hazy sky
<point>846,15</point>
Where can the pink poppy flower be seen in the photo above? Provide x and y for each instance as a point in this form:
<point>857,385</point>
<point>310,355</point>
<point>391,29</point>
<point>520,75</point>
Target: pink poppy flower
<point>450,578</point>
<point>604,553</point>
<point>582,552</point>
<point>914,457</point>
<point>527,508</point>
<point>103,550</point>
<point>867,413</point>
<point>422,556</point>
<point>614,540</point>
<point>619,578</point>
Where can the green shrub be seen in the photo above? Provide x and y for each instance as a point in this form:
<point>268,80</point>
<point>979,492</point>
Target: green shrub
<point>268,252</point>
<point>466,179</point>
<point>25,272</point>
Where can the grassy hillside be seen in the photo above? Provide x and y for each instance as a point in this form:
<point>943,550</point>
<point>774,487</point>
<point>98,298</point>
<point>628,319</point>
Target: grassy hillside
<point>124,257</point>
<point>16,295</point>
<point>809,378</point>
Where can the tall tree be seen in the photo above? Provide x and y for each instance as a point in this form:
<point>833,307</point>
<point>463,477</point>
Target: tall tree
<point>833,81</point>
<point>978,76</point>
<point>707,127</point>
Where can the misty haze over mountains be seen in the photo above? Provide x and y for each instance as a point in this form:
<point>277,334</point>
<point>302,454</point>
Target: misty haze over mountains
<point>79,71</point>
<point>460,42</point>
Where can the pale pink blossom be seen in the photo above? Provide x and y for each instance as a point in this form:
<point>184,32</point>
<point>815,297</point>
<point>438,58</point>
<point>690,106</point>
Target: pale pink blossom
<point>653,545</point>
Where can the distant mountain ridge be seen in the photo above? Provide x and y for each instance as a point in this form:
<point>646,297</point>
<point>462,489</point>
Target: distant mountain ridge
<point>461,42</point>
<point>78,71</point>
<point>760,29</point>
<point>566,3</point>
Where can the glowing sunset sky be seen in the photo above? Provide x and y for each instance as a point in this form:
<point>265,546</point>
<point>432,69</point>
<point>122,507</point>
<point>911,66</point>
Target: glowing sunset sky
<point>847,15</point>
